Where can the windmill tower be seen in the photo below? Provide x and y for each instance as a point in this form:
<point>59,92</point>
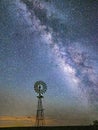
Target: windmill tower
<point>40,88</point>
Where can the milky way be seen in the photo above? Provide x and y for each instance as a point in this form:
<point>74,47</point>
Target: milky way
<point>74,58</point>
<point>56,42</point>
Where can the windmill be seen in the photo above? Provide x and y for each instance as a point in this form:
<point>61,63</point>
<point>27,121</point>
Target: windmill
<point>40,88</point>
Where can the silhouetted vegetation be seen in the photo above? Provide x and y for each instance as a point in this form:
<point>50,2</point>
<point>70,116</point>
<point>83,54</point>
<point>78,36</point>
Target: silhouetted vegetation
<point>53,128</point>
<point>95,123</point>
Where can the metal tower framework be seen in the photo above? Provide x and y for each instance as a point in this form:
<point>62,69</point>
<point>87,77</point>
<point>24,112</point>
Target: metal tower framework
<point>40,112</point>
<point>40,88</point>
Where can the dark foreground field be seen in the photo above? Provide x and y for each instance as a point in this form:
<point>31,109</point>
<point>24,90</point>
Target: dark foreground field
<point>54,128</point>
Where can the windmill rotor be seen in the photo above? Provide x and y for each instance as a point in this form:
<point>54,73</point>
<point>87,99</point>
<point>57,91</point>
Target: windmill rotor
<point>40,87</point>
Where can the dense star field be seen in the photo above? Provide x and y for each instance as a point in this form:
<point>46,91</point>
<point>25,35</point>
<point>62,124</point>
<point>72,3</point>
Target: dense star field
<point>55,41</point>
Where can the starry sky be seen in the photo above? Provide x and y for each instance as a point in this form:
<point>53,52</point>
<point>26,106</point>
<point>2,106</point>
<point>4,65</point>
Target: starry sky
<point>55,41</point>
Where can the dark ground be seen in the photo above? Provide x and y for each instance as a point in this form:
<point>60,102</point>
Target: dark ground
<point>54,128</point>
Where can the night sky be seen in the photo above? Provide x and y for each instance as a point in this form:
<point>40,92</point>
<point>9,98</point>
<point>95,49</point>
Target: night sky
<point>55,41</point>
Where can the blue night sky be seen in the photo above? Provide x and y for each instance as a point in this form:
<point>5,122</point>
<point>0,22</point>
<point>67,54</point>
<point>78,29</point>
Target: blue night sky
<point>55,41</point>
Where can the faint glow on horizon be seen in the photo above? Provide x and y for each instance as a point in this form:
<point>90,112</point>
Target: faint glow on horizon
<point>8,121</point>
